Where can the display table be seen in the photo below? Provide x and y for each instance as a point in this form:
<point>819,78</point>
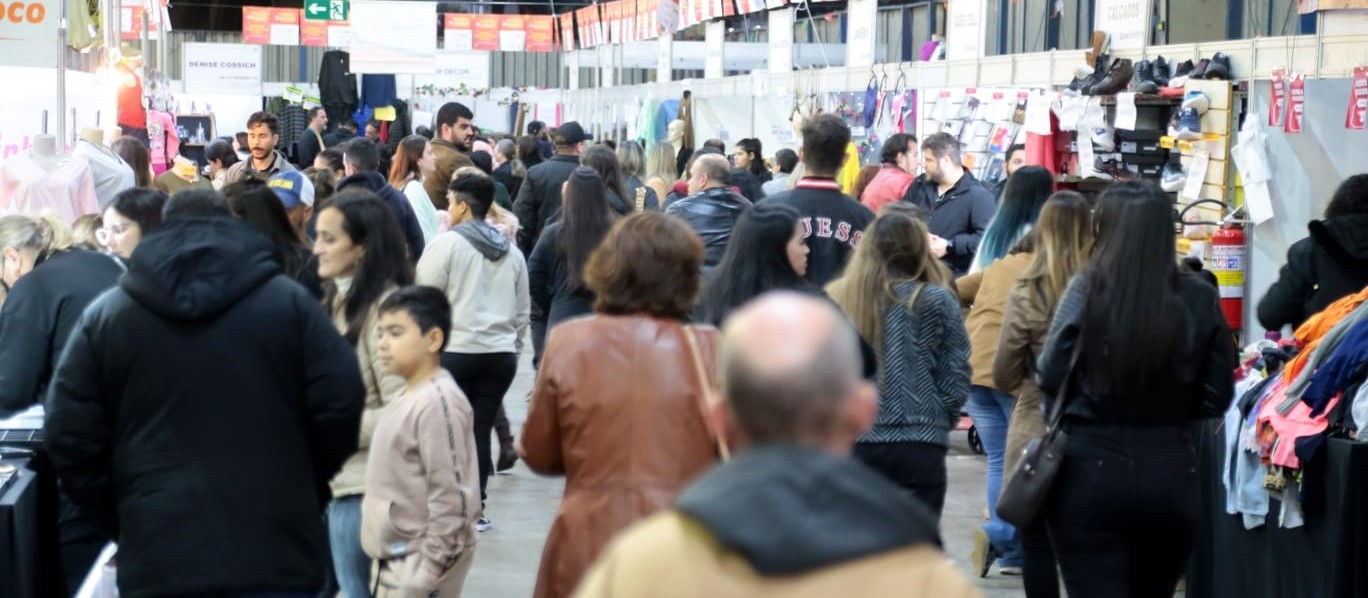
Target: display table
<point>19,548</point>
<point>1325,558</point>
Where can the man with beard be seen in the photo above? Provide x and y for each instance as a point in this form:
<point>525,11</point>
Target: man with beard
<point>957,206</point>
<point>455,133</point>
<point>263,132</point>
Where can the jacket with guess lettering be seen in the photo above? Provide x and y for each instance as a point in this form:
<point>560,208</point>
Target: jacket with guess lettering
<point>833,224</point>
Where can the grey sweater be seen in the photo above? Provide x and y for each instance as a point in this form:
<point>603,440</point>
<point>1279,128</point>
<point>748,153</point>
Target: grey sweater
<point>924,377</point>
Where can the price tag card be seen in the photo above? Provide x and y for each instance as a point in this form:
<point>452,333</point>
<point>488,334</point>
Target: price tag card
<point>284,35</point>
<point>1125,111</point>
<point>1038,114</point>
<point>1086,159</point>
<point>1196,173</point>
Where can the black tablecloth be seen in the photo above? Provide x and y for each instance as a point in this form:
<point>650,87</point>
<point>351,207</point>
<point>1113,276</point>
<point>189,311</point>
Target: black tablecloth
<point>1327,557</point>
<point>19,570</point>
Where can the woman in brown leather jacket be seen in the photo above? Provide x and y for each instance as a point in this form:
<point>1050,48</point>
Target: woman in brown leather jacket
<point>617,407</point>
<point>1063,244</point>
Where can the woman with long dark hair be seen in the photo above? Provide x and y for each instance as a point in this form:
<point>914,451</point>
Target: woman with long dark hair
<point>257,204</point>
<point>750,156</point>
<point>362,257</point>
<point>1026,192</point>
<point>134,153</point>
<point>603,160</point>
<point>529,151</point>
<point>766,253</point>
<point>1063,244</point>
<point>413,163</point>
<point>1146,351</point>
<point>897,294</point>
<point>556,269</point>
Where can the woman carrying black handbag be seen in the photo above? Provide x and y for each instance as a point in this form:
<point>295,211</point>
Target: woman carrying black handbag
<point>1153,354</point>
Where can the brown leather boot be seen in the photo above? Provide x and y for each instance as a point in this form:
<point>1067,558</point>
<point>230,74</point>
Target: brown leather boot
<point>1117,78</point>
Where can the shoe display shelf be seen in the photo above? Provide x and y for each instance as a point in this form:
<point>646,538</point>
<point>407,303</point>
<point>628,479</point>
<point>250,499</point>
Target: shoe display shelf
<point>1218,126</point>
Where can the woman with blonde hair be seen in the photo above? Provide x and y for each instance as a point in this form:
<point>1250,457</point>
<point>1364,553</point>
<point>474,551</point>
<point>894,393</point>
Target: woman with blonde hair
<point>1063,243</point>
<point>413,162</point>
<point>660,173</point>
<point>897,294</point>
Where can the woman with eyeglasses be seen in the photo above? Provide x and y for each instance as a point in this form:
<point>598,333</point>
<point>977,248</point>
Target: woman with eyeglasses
<point>133,214</point>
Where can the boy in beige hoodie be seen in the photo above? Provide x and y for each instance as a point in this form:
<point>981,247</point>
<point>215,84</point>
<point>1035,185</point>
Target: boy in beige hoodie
<point>422,490</point>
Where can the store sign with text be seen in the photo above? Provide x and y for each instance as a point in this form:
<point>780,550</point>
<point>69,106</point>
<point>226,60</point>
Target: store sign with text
<point>28,33</point>
<point>964,31</point>
<point>1126,21</point>
<point>222,68</point>
<point>389,37</point>
<point>456,69</point>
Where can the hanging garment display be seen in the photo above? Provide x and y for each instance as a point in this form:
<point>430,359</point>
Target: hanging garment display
<point>110,173</point>
<point>61,184</point>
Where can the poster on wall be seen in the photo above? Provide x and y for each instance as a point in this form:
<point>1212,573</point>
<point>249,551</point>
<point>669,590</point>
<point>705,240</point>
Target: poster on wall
<point>486,33</point>
<point>28,34</point>
<point>459,32</point>
<point>324,33</point>
<point>512,33</point>
<point>275,26</point>
<point>456,69</point>
<point>222,68</point>
<point>540,33</point>
<point>1127,21</point>
<point>393,37</point>
<point>964,30</point>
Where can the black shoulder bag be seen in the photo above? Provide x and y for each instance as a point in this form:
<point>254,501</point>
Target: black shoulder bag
<point>1025,491</point>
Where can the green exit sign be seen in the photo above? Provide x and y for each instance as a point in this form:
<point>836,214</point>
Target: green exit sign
<point>326,10</point>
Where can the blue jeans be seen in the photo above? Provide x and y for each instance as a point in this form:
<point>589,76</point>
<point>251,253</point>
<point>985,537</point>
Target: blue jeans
<point>352,566</point>
<point>991,410</point>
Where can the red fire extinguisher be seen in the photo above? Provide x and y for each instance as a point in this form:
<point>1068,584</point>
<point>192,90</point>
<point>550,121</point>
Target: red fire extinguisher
<point>1228,264</point>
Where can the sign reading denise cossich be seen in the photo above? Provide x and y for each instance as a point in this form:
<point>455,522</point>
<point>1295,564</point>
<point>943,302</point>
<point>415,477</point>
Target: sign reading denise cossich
<point>222,68</point>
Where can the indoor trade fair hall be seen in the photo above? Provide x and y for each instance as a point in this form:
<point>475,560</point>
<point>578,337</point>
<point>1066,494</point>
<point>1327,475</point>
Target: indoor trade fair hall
<point>684,298</point>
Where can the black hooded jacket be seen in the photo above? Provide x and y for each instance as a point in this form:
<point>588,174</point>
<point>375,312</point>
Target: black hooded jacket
<point>1320,269</point>
<point>198,413</point>
<point>39,314</point>
<point>539,199</point>
<point>788,509</point>
<point>403,210</point>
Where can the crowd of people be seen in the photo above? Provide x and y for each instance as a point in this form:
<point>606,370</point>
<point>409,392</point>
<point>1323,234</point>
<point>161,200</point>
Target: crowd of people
<point>746,373</point>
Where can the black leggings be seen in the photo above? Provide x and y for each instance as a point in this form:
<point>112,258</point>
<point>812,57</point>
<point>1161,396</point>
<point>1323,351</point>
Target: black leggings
<point>484,378</point>
<point>1039,570</point>
<point>1122,512</point>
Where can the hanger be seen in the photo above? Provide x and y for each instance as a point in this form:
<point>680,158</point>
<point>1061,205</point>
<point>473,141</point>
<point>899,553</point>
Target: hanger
<point>902,78</point>
<point>873,78</point>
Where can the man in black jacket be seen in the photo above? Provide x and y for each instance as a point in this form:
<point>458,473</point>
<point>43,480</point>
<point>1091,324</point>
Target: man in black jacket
<point>957,206</point>
<point>539,199</point>
<point>361,162</point>
<point>201,408</point>
<point>833,222</point>
<point>311,142</point>
<point>711,209</point>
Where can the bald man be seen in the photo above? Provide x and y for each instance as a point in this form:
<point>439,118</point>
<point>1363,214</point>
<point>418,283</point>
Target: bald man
<point>712,208</point>
<point>792,514</point>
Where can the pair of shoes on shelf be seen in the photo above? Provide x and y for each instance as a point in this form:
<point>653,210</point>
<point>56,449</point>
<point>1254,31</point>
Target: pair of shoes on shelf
<point>1217,67</point>
<point>1150,76</point>
<point>1172,178</point>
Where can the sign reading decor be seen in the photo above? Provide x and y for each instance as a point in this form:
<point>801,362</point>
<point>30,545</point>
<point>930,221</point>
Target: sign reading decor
<point>28,33</point>
<point>1127,21</point>
<point>222,69</point>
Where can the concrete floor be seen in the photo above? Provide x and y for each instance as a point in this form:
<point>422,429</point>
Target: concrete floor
<point>522,505</point>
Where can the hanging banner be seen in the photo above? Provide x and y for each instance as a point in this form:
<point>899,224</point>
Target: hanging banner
<point>324,33</point>
<point>667,15</point>
<point>584,17</point>
<point>274,26</point>
<point>567,32</point>
<point>28,33</point>
<point>964,30</point>
<point>1127,21</point>
<point>130,21</point>
<point>459,32</point>
<point>1296,94</point>
<point>486,33</point>
<point>392,38</point>
<point>541,33</point>
<point>750,6</point>
<point>1358,100</point>
<point>222,68</point>
<point>1277,97</point>
<point>512,33</point>
<point>1310,6</point>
